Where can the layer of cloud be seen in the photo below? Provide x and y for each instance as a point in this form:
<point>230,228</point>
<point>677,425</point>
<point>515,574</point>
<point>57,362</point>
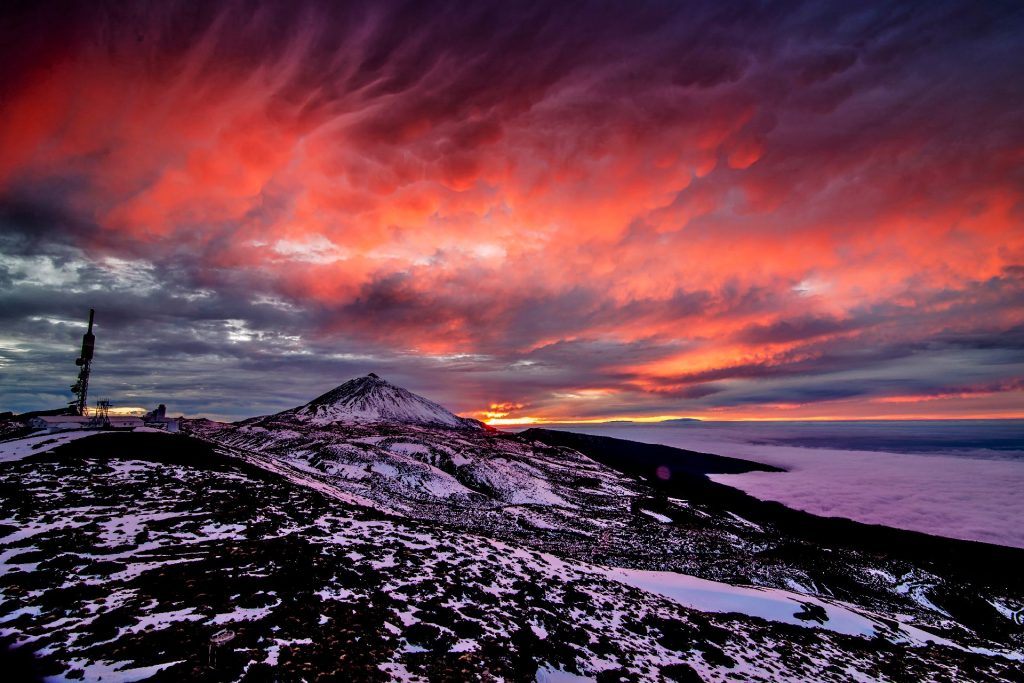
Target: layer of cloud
<point>970,495</point>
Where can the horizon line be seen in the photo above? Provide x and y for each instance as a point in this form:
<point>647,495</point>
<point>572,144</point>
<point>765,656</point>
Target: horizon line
<point>530,421</point>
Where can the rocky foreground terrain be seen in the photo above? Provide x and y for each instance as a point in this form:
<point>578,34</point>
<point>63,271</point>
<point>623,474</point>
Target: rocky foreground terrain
<point>330,542</point>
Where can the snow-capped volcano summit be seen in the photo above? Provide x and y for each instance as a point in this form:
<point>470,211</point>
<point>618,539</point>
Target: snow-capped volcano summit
<point>372,399</point>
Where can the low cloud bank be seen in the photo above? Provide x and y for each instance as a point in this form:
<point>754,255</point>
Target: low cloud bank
<point>973,495</point>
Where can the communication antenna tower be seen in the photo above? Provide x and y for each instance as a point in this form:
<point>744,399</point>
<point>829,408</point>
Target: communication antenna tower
<point>81,387</point>
<point>101,418</point>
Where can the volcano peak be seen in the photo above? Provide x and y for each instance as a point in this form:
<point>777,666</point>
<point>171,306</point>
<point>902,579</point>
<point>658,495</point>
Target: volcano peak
<point>372,399</point>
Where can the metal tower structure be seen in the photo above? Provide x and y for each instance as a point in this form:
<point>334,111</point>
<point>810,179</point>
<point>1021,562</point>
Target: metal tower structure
<point>81,387</point>
<point>101,418</point>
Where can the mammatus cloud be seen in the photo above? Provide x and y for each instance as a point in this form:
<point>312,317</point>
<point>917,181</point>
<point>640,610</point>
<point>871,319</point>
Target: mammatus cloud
<point>808,209</point>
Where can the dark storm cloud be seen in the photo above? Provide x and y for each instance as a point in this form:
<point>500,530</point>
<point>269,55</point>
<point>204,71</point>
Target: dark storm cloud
<point>673,178</point>
<point>150,339</point>
<point>790,330</point>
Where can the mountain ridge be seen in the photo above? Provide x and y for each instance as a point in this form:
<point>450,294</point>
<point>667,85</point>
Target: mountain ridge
<point>371,399</point>
<point>432,553</point>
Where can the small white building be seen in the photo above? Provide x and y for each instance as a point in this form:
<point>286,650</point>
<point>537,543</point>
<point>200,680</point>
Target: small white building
<point>125,421</point>
<point>61,423</point>
<point>168,424</point>
<point>158,419</point>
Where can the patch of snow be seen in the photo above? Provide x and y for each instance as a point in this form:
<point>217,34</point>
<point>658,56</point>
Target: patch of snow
<point>1009,611</point>
<point>766,603</point>
<point>413,649</point>
<point>396,671</point>
<point>466,645</point>
<point>745,522</point>
<point>409,448</point>
<point>36,529</point>
<point>664,519</point>
<point>17,449</point>
<point>109,672</point>
<point>884,575</point>
<point>161,620</point>
<point>917,590</point>
<point>516,482</point>
<point>407,617</point>
<point>243,614</point>
<point>460,460</point>
<point>34,611</point>
<point>546,674</point>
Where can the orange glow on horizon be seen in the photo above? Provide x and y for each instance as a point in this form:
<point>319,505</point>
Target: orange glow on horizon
<point>521,421</point>
<point>974,406</point>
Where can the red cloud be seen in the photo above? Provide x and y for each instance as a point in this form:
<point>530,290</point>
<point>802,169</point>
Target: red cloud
<point>430,192</point>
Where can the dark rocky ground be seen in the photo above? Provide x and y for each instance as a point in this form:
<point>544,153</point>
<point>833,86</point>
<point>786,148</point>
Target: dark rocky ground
<point>954,588</point>
<point>122,554</point>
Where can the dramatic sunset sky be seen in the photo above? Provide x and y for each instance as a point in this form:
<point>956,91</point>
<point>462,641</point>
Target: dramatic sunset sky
<point>523,210</point>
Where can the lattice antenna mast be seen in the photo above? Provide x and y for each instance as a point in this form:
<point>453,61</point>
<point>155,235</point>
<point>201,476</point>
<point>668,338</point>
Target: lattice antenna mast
<point>81,387</point>
<point>101,418</point>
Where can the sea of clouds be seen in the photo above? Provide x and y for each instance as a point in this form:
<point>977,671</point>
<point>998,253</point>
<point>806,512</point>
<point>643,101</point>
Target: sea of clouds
<point>972,494</point>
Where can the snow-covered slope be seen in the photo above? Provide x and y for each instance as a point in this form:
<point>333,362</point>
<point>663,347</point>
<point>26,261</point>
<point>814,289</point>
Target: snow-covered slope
<point>127,556</point>
<point>371,399</point>
<point>556,500</point>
